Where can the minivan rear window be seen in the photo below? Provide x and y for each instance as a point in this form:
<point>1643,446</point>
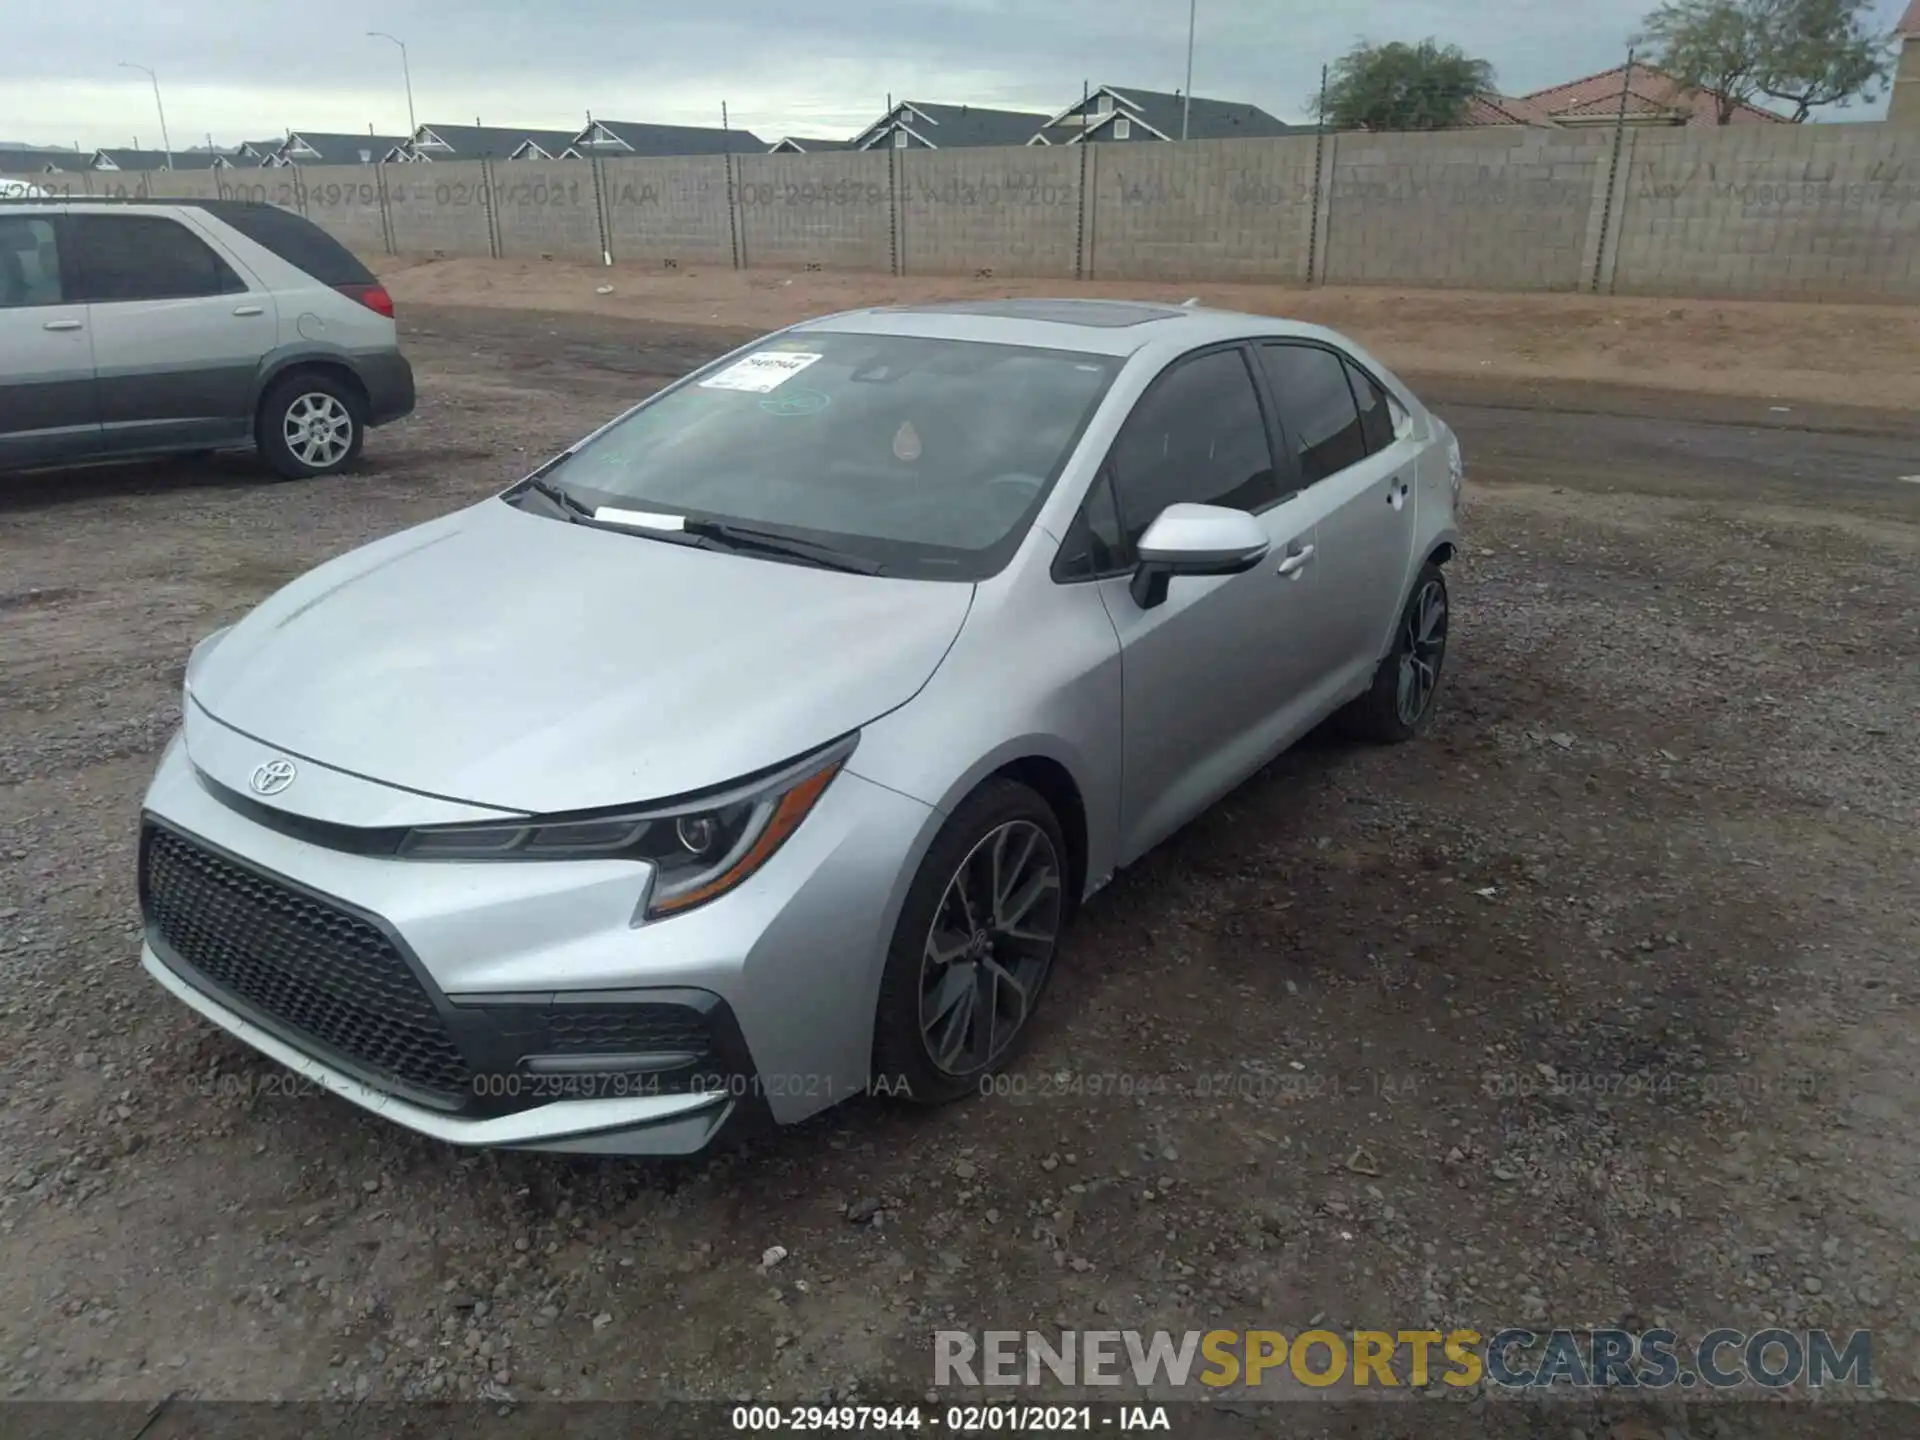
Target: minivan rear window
<point>296,240</point>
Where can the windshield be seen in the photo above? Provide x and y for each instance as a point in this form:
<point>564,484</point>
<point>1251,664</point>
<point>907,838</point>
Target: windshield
<point>927,458</point>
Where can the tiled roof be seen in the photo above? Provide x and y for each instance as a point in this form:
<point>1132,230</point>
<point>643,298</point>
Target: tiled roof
<point>1504,110</point>
<point>1650,91</point>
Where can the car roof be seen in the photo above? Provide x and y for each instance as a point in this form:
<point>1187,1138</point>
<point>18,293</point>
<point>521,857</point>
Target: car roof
<point>1098,327</point>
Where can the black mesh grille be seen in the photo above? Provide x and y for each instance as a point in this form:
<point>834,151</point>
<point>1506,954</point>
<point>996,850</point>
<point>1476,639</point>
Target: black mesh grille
<point>627,1029</point>
<point>314,969</point>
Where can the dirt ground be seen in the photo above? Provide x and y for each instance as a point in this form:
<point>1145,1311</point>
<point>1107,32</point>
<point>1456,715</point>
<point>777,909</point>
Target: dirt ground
<point>1378,1013</point>
<point>1838,354</point>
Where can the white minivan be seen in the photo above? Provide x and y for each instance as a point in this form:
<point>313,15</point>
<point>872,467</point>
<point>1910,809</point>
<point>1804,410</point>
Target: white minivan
<point>139,328</point>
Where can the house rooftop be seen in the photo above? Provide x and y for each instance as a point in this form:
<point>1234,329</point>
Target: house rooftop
<point>1650,92</point>
<point>954,127</point>
<point>1161,112</point>
<point>641,137</point>
<point>478,142</point>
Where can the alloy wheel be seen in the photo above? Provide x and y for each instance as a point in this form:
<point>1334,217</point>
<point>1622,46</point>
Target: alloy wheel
<point>318,429</point>
<point>1423,644</point>
<point>989,948</point>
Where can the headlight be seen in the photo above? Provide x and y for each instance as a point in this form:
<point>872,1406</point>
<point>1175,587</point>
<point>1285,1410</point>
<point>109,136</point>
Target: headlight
<point>699,849</point>
<point>198,655</point>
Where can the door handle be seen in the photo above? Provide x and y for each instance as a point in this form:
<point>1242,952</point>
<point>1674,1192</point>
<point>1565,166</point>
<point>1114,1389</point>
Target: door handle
<point>1297,561</point>
<point>62,325</point>
<point>1397,493</point>
<point>251,310</point>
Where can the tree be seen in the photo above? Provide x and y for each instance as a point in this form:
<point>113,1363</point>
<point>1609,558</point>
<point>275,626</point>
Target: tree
<point>1401,87</point>
<point>1820,52</point>
<point>1807,53</point>
<point>1711,45</point>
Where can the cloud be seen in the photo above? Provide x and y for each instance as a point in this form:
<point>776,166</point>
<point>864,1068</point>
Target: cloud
<point>510,62</point>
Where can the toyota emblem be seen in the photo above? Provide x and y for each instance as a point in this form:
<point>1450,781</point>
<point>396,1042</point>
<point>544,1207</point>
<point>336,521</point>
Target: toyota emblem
<point>270,777</point>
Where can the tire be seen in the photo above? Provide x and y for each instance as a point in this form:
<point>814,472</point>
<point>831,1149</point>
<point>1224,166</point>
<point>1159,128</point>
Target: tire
<point>1001,817</point>
<point>1379,715</point>
<point>322,399</point>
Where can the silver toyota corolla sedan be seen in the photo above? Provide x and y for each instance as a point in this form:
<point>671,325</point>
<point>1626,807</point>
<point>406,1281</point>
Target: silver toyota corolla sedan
<point>755,751</point>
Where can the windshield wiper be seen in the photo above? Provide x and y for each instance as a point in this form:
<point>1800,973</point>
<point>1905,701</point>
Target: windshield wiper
<point>704,534</point>
<point>767,542</point>
<point>574,509</point>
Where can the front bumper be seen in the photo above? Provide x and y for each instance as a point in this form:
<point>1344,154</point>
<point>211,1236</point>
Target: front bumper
<point>625,1125</point>
<point>784,973</point>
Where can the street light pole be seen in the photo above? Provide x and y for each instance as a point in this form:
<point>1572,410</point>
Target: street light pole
<point>165,143</point>
<point>413,127</point>
<point>1186,95</point>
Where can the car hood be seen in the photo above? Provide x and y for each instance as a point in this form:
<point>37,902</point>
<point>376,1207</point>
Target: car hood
<point>514,661</point>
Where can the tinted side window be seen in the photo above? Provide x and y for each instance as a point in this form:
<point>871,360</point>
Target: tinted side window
<point>145,257</point>
<point>296,240</point>
<point>1316,407</point>
<point>1376,421</point>
<point>29,262</point>
<point>1094,545</point>
<point>1197,435</point>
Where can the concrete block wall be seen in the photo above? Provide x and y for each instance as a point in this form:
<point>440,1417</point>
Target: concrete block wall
<point>1208,210</point>
<point>834,211</point>
<point>1807,212</point>
<point>660,210</point>
<point>183,184</point>
<point>1014,210</point>
<point>353,203</point>
<point>1502,209</point>
<point>546,208</point>
<point>443,208</point>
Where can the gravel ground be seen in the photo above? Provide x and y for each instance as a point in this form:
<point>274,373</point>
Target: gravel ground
<point>1358,1048</point>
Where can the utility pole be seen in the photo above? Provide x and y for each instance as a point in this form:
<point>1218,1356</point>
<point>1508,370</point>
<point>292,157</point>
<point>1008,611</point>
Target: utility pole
<point>165,143</point>
<point>406,71</point>
<point>1186,95</point>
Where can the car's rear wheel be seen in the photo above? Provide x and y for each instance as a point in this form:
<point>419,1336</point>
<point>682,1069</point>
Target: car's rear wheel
<point>310,424</point>
<point>974,946</point>
<point>1399,703</point>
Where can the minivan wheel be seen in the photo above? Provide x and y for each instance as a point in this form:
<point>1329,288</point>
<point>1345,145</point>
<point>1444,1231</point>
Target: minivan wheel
<point>1399,703</point>
<point>974,946</point>
<point>310,424</point>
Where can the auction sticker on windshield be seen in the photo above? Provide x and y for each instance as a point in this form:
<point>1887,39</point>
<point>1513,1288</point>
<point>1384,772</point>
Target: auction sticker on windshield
<point>761,372</point>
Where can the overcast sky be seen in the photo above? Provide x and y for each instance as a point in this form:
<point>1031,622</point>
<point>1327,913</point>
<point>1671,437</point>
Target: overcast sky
<point>248,69</point>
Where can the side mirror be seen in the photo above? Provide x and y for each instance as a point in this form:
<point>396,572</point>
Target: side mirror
<point>1195,540</point>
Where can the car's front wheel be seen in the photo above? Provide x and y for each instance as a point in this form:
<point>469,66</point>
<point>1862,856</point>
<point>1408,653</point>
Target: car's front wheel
<point>974,946</point>
<point>1399,703</point>
<point>310,424</point>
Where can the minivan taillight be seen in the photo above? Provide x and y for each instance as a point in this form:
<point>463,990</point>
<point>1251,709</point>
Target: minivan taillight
<point>374,297</point>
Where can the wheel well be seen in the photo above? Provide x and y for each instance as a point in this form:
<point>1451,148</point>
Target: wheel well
<point>332,369</point>
<point>1053,782</point>
<point>1442,553</point>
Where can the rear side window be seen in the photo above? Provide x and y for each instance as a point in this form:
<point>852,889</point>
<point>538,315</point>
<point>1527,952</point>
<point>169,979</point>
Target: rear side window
<point>1316,407</point>
<point>296,240</point>
<point>1376,419</point>
<point>145,257</point>
<point>29,262</point>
